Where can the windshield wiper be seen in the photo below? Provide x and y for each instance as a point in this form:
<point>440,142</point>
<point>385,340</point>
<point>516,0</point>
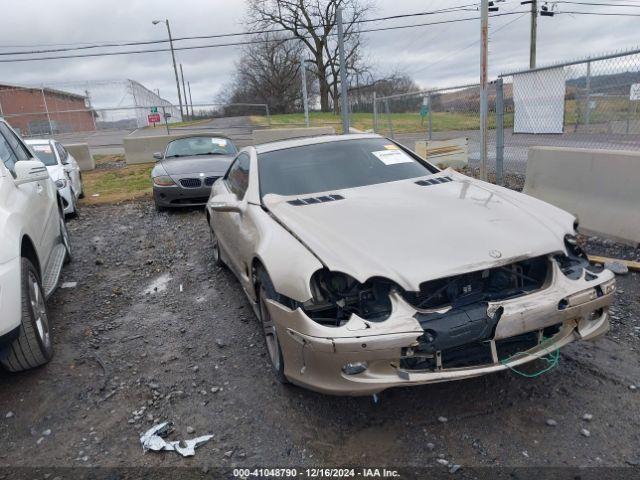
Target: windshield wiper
<point>211,153</point>
<point>173,156</point>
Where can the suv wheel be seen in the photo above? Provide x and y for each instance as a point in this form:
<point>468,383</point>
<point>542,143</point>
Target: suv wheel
<point>34,345</point>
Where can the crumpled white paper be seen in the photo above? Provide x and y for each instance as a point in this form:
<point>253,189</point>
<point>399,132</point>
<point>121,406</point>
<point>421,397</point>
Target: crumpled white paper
<point>153,439</point>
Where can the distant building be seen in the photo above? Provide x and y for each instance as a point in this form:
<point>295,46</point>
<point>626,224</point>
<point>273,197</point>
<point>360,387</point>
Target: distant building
<point>25,108</point>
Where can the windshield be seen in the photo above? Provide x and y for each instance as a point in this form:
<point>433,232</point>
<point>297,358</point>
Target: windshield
<point>202,145</point>
<point>336,165</point>
<point>44,152</point>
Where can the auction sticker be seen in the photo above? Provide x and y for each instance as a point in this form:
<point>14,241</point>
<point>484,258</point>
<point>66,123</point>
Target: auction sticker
<point>392,157</point>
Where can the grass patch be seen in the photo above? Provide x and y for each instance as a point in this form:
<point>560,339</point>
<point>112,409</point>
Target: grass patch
<point>401,122</point>
<point>118,184</point>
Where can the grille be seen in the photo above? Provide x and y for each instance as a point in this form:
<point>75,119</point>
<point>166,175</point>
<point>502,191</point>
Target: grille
<point>190,182</point>
<point>209,181</point>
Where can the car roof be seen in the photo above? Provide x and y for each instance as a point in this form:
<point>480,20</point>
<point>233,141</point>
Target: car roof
<point>303,141</point>
<point>37,141</point>
<point>202,134</point>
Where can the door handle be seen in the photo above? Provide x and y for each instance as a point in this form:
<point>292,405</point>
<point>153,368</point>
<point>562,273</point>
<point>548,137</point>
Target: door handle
<point>38,188</point>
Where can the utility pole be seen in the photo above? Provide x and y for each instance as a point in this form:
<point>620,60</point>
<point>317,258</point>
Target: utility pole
<point>534,33</point>
<point>484,30</point>
<point>190,99</point>
<point>305,101</point>
<point>173,57</point>
<point>344,101</point>
<point>186,104</point>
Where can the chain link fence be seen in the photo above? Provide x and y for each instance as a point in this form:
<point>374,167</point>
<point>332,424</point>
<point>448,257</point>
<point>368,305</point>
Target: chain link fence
<point>591,103</point>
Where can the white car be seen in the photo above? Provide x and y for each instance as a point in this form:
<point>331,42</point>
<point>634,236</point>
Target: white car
<point>34,244</point>
<point>63,169</point>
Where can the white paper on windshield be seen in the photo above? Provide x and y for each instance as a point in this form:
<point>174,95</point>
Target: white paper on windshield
<point>392,157</point>
<point>221,142</point>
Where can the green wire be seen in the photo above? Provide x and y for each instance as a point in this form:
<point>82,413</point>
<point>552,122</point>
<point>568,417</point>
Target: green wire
<point>552,359</point>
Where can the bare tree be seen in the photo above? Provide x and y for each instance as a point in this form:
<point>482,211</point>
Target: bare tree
<point>268,72</point>
<point>314,22</point>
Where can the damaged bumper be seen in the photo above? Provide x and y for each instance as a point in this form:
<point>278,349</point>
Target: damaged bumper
<point>363,357</point>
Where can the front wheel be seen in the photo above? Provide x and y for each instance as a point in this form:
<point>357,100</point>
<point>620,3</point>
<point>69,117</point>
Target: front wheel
<point>34,345</point>
<point>215,249</point>
<point>64,237</point>
<point>266,291</point>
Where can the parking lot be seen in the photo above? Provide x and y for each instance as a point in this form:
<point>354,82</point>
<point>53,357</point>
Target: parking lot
<point>154,332</point>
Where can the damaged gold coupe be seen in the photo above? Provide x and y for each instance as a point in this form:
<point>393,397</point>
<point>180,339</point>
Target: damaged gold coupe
<point>370,268</point>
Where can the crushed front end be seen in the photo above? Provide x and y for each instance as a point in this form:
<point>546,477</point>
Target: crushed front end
<point>359,339</point>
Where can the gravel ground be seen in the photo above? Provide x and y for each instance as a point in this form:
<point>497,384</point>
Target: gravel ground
<point>154,332</point>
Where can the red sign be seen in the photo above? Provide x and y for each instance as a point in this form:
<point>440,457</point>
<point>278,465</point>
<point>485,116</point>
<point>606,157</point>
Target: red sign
<point>154,118</point>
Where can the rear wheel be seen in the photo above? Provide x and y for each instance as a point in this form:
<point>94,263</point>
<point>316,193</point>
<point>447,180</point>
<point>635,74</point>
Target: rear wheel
<point>265,292</point>
<point>81,195</point>
<point>34,345</point>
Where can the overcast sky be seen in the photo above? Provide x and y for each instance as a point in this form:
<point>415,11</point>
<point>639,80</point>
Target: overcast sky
<point>434,56</point>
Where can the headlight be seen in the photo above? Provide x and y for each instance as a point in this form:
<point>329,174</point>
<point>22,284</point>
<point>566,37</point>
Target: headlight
<point>337,295</point>
<point>61,183</point>
<point>163,181</point>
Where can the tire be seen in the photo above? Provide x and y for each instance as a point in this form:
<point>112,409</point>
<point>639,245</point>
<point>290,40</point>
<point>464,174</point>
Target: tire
<point>34,345</point>
<point>215,250</point>
<point>81,195</point>
<point>64,238</point>
<point>266,291</point>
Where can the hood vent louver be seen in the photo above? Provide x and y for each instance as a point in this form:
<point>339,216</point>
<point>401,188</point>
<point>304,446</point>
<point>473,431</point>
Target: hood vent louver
<point>311,200</point>
<point>433,181</point>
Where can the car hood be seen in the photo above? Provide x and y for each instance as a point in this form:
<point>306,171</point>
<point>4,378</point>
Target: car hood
<point>410,233</point>
<point>215,164</point>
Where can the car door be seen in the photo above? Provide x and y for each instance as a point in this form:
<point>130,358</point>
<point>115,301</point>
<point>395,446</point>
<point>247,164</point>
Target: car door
<point>229,225</point>
<point>71,168</point>
<point>35,200</point>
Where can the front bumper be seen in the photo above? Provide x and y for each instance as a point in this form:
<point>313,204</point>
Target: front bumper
<point>314,355</point>
<point>177,196</point>
<point>10,296</point>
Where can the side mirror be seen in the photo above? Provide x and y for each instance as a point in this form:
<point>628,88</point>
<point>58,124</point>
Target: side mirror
<point>28,171</point>
<point>157,155</point>
<point>225,203</point>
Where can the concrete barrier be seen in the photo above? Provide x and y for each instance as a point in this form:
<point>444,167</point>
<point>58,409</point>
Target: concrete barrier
<point>274,134</point>
<point>82,154</point>
<point>141,149</point>
<point>448,153</point>
<point>600,187</point>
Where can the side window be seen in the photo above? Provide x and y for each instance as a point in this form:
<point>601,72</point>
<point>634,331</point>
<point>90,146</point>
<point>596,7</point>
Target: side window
<point>18,147</point>
<point>6,155</point>
<point>61,152</point>
<point>238,175</point>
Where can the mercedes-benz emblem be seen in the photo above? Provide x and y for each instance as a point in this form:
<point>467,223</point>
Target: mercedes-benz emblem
<point>495,253</point>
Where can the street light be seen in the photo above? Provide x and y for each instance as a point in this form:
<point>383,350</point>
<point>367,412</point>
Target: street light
<point>173,57</point>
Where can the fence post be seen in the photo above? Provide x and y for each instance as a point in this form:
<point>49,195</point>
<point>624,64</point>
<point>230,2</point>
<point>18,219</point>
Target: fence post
<point>430,118</point>
<point>389,122</point>
<point>588,109</point>
<point>166,123</point>
<point>46,108</point>
<point>499,132</point>
<point>375,113</point>
<point>266,106</point>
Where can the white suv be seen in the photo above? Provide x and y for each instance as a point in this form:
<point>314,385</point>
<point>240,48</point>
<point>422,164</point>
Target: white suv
<point>34,244</point>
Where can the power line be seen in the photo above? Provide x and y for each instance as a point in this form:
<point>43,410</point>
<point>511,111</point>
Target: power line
<point>232,44</point>
<point>87,46</point>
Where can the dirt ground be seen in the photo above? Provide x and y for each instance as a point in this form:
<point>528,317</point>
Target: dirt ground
<point>154,332</point>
